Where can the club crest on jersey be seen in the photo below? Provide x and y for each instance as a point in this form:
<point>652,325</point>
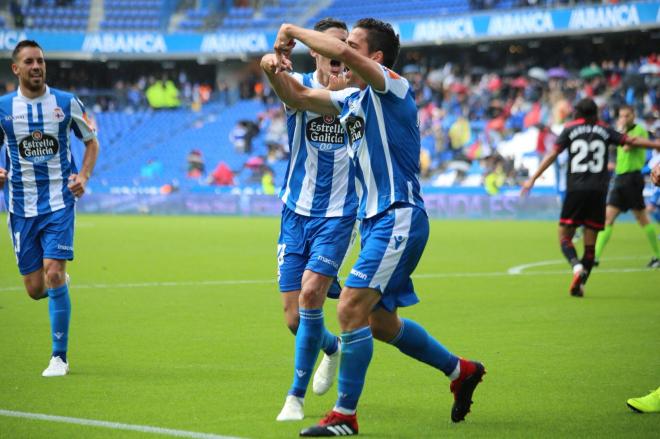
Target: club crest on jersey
<point>38,147</point>
<point>325,133</point>
<point>58,113</point>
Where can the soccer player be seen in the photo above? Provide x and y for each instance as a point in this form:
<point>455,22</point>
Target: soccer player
<point>384,140</point>
<point>586,140</point>
<point>320,205</point>
<point>627,192</point>
<point>41,184</point>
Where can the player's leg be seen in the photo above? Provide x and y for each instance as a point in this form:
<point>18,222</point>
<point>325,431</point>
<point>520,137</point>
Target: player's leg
<point>57,242</point>
<point>588,258</point>
<point>611,214</point>
<point>649,231</point>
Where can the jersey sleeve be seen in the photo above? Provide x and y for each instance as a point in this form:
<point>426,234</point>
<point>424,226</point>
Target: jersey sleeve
<point>394,84</point>
<point>80,124</point>
<point>562,141</point>
<point>617,138</point>
<point>339,97</point>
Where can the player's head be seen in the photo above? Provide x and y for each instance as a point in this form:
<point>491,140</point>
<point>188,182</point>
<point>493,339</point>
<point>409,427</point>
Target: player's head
<point>29,65</point>
<point>626,116</point>
<point>337,29</point>
<point>587,109</point>
<point>375,39</point>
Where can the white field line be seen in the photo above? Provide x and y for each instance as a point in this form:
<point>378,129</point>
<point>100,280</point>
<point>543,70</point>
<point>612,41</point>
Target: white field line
<point>514,271</point>
<point>113,425</point>
<point>518,269</point>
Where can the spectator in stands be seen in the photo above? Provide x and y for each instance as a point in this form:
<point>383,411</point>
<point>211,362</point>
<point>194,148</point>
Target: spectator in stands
<point>242,134</point>
<point>268,181</point>
<point>17,13</point>
<point>163,94</point>
<point>222,175</point>
<point>196,167</point>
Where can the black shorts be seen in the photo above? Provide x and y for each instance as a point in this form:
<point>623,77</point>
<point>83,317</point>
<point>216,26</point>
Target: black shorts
<point>584,208</point>
<point>627,192</point>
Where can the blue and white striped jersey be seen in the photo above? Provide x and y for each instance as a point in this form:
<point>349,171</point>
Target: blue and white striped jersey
<point>38,149</point>
<point>320,176</point>
<point>384,140</point>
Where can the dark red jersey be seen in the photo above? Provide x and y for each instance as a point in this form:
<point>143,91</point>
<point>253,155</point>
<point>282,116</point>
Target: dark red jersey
<point>587,146</point>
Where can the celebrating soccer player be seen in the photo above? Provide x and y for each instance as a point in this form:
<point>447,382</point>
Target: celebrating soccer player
<point>587,140</point>
<point>41,184</point>
<point>628,189</point>
<point>320,205</point>
<point>381,123</point>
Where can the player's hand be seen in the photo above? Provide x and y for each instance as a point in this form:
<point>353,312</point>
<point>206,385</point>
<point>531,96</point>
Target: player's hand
<point>77,185</point>
<point>526,187</point>
<point>283,46</point>
<point>338,82</point>
<point>269,63</point>
<point>655,175</point>
<point>3,177</point>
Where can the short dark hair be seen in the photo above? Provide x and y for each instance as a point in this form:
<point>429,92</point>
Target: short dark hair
<point>21,45</point>
<point>627,107</point>
<point>587,109</point>
<point>381,36</point>
<point>329,23</point>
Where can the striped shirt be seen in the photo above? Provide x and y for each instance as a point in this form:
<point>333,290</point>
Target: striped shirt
<point>383,137</point>
<point>38,149</point>
<point>320,177</point>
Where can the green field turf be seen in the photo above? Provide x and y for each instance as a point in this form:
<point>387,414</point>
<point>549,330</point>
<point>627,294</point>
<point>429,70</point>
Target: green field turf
<point>177,324</point>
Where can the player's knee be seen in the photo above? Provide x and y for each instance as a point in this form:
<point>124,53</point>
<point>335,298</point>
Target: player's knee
<point>311,297</point>
<point>351,315</point>
<point>55,277</point>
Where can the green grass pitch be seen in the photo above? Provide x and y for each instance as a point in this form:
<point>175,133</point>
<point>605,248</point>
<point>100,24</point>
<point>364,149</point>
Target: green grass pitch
<point>177,323</point>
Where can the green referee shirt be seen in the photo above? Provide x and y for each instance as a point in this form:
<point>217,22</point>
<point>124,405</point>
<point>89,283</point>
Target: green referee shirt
<point>633,160</point>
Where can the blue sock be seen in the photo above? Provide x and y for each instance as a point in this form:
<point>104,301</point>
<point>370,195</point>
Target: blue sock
<point>308,344</point>
<point>357,349</point>
<point>59,310</point>
<point>329,342</point>
<point>414,341</point>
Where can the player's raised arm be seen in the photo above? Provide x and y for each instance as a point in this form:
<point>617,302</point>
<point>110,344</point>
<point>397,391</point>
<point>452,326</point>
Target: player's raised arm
<point>641,142</point>
<point>545,164</point>
<point>367,68</point>
<point>294,94</point>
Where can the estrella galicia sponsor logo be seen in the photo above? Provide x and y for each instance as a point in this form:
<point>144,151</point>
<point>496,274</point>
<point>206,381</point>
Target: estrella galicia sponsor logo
<point>355,128</point>
<point>38,147</point>
<point>325,133</point>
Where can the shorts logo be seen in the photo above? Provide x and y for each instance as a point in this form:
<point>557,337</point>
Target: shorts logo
<point>398,239</point>
<point>359,274</point>
<point>68,248</point>
<point>328,261</point>
<point>38,147</point>
<point>58,113</point>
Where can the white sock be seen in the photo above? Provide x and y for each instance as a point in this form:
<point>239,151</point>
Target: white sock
<point>457,371</point>
<point>344,411</point>
<point>577,268</point>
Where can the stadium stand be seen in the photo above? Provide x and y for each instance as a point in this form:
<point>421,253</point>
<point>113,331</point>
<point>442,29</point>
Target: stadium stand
<point>134,15</point>
<point>52,14</point>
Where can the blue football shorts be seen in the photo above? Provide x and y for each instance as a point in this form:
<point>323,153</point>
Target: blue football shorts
<point>309,243</point>
<point>392,245</point>
<point>46,236</point>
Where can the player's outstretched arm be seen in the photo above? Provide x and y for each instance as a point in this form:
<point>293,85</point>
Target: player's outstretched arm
<point>78,182</point>
<point>545,164</point>
<point>3,177</point>
<point>641,142</point>
<point>294,94</point>
<point>368,69</point>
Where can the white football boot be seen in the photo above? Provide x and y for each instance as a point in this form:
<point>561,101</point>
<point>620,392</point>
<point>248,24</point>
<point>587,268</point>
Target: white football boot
<point>56,368</point>
<point>292,410</point>
<point>325,374</point>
